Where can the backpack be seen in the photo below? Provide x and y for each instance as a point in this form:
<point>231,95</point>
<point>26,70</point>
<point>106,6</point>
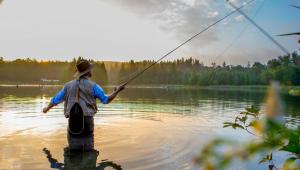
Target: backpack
<point>78,126</point>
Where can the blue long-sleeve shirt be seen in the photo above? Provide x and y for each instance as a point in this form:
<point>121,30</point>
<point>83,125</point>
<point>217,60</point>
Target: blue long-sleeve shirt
<point>98,92</point>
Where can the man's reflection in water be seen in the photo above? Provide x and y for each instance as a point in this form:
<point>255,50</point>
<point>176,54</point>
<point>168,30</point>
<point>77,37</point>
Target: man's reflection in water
<point>80,160</point>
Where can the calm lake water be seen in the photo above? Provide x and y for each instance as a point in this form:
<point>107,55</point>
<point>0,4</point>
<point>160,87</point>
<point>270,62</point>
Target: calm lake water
<point>145,128</point>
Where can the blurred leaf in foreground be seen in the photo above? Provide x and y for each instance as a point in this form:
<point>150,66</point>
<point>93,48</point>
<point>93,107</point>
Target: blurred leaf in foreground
<point>272,136</point>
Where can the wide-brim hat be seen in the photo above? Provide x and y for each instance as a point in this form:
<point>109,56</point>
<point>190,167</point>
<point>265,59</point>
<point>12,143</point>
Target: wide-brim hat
<point>83,67</point>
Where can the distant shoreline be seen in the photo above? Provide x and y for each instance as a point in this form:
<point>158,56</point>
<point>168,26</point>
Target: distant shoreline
<point>30,85</point>
<point>291,90</point>
<point>167,86</point>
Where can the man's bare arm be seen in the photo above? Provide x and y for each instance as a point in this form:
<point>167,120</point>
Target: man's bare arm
<point>116,91</point>
<point>46,109</point>
<point>59,97</point>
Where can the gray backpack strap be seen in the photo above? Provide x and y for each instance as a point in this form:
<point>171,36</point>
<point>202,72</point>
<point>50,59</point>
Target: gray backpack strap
<point>77,90</point>
<point>77,101</point>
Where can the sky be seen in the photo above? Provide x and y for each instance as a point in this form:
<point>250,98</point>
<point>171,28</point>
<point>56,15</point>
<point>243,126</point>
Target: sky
<point>121,30</point>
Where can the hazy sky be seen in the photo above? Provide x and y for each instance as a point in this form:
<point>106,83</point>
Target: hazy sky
<point>120,30</point>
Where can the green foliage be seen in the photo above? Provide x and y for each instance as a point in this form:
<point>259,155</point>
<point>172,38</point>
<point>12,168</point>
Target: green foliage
<point>267,158</point>
<point>192,72</point>
<point>285,69</point>
<point>182,71</point>
<point>99,73</point>
<point>32,71</point>
<point>293,144</point>
<point>294,92</point>
<point>272,137</point>
<point>245,119</point>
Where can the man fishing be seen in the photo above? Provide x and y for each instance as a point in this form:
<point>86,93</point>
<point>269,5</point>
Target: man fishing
<point>79,97</point>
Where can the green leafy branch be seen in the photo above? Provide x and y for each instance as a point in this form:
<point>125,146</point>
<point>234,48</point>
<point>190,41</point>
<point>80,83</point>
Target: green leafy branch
<point>274,136</point>
<point>245,120</point>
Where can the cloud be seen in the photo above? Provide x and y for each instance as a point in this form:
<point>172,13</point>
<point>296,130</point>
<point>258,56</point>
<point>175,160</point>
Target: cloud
<point>239,18</point>
<point>213,14</point>
<point>183,17</point>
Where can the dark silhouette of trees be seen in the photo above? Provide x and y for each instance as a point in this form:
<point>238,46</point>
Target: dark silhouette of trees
<point>32,71</point>
<point>192,72</point>
<point>285,69</point>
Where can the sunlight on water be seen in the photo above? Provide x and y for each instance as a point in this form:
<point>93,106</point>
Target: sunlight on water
<point>143,129</point>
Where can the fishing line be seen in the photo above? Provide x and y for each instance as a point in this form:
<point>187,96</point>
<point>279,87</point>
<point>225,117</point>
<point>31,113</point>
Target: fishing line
<point>260,28</point>
<point>236,39</point>
<point>242,32</point>
<point>136,74</point>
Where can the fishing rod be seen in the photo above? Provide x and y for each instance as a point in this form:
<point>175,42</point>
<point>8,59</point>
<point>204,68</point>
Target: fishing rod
<point>259,27</point>
<point>295,6</point>
<point>137,74</point>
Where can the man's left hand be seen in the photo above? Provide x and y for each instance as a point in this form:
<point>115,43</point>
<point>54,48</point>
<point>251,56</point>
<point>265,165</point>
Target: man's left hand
<point>119,88</point>
<point>45,110</point>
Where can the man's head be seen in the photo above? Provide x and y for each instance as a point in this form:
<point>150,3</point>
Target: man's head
<point>84,68</point>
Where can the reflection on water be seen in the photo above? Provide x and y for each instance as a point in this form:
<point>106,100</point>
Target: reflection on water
<point>144,129</point>
<point>80,160</point>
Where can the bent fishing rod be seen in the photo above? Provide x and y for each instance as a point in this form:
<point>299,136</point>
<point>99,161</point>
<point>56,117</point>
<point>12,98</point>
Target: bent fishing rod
<point>137,74</point>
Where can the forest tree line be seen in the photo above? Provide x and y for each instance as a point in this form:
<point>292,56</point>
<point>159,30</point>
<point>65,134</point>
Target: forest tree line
<point>32,71</point>
<point>285,69</point>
